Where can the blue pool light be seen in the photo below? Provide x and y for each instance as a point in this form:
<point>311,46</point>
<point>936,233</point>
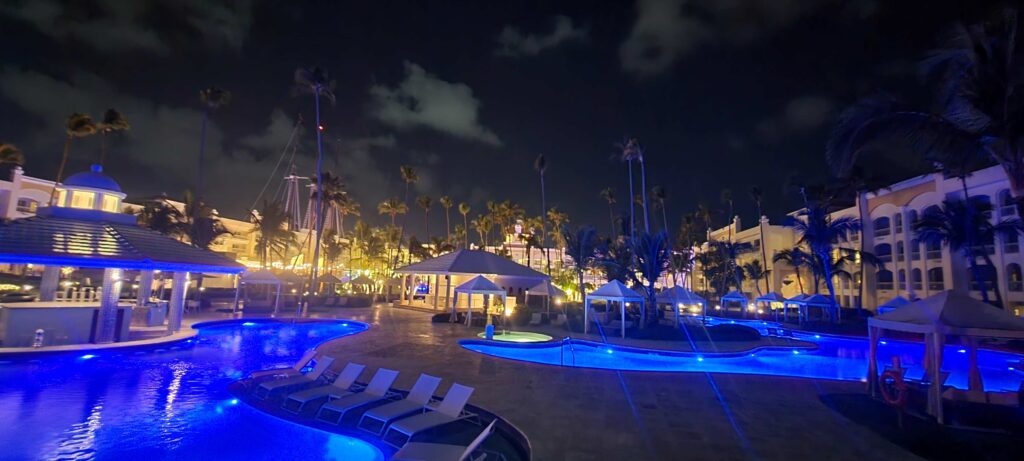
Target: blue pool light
<point>700,358</point>
<point>796,352</point>
<point>962,351</point>
<point>87,356</point>
<point>234,401</point>
<point>249,324</point>
<point>817,336</point>
<point>883,342</point>
<point>609,350</point>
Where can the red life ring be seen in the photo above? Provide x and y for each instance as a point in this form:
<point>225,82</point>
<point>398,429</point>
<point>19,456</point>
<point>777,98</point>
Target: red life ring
<point>894,390</point>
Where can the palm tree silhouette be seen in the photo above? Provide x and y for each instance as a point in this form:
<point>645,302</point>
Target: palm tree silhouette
<point>77,126</point>
<point>464,211</point>
<point>269,223</point>
<point>10,154</point>
<point>447,203</point>
<point>820,232</point>
<point>608,194</point>
<point>112,122</point>
<point>392,207</point>
<point>211,98</point>
<point>425,202</point>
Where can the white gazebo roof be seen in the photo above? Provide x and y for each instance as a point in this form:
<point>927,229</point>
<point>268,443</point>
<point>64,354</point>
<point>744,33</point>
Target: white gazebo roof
<point>290,277</point>
<point>772,297</point>
<point>615,290</point>
<point>546,289</point>
<point>678,294</point>
<point>952,313</point>
<point>329,278</point>
<point>895,302</point>
<point>798,299</point>
<point>817,300</point>
<point>471,262</point>
<point>479,285</point>
<point>734,296</point>
<point>261,276</point>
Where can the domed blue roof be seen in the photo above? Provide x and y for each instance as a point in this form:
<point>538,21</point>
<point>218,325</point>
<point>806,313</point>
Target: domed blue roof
<point>94,179</point>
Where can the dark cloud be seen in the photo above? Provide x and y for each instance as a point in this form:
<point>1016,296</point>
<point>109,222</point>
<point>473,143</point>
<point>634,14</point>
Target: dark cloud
<point>513,42</point>
<point>800,115</point>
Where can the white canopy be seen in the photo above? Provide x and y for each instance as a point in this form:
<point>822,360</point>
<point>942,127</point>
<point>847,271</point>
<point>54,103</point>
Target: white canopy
<point>893,303</point>
<point>678,295</point>
<point>611,292</point>
<point>545,289</point>
<point>471,262</point>
<point>260,277</point>
<point>478,285</point>
<point>772,297</point>
<point>290,278</point>
<point>735,296</point>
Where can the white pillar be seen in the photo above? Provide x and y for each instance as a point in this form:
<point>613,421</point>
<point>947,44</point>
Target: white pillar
<point>586,314</point>
<point>145,287</point>
<point>436,288</point>
<point>179,289</point>
<point>106,323</point>
<point>49,284</point>
<point>448,292</point>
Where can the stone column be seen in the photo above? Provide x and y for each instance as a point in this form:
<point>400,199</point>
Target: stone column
<point>50,283</point>
<point>106,323</point>
<point>145,287</point>
<point>179,289</point>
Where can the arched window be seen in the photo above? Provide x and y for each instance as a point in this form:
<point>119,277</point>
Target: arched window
<point>884,252</point>
<point>935,279</point>
<point>913,218</point>
<point>915,279</point>
<point>885,280</point>
<point>897,220</point>
<point>881,227</point>
<point>1011,243</point>
<point>901,278</point>
<point>915,250</point>
<point>1014,281</point>
<point>1007,207</point>
<point>933,250</point>
<point>900,252</point>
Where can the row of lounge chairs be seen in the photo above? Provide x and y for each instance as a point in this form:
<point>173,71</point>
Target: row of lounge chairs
<point>396,421</point>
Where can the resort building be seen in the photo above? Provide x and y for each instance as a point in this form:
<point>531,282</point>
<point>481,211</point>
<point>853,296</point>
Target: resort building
<point>911,269</point>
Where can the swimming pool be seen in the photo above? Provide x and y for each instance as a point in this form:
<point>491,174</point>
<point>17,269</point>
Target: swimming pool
<point>836,358</point>
<point>168,404</point>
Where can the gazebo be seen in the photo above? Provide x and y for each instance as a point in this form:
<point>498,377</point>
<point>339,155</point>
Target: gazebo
<point>773,300</point>
<point>478,285</point>
<point>681,298</point>
<point>260,277</point>
<point>828,307</point>
<point>614,291</point>
<point>892,304</point>
<point>794,302</point>
<point>735,297</point>
<point>947,313</point>
<point>545,289</point>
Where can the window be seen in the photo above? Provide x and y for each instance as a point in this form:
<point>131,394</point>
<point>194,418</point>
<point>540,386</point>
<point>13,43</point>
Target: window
<point>933,250</point>
<point>1011,243</point>
<point>81,199</point>
<point>27,205</point>
<point>935,279</point>
<point>915,250</point>
<point>915,279</point>
<point>884,252</point>
<point>109,203</point>
<point>1007,207</point>
<point>898,222</point>
<point>881,227</point>
<point>61,196</point>
<point>901,277</point>
<point>900,252</point>
<point>1014,281</point>
<point>913,218</point>
<point>885,280</point>
<point>988,277</point>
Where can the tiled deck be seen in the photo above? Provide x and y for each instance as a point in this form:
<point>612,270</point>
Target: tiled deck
<point>582,414</point>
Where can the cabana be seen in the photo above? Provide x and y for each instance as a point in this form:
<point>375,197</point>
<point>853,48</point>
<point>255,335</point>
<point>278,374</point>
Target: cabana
<point>735,297</point>
<point>547,290</point>
<point>794,302</point>
<point>478,285</point>
<point>610,292</point>
<point>681,298</point>
<point>260,277</point>
<point>773,300</point>
<point>828,307</point>
<point>892,304</point>
<point>947,313</point>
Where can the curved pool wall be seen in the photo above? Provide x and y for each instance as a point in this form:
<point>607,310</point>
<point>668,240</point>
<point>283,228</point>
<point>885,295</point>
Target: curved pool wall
<point>834,357</point>
<point>168,402</point>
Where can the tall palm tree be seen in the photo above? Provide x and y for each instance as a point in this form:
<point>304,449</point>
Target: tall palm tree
<point>425,202</point>
<point>755,271</point>
<point>203,223</point>
<point>660,195</point>
<point>728,254</point>
<point>328,192</point>
<point>608,194</point>
<point>758,197</point>
<point>581,246</point>
<point>820,232</point>
<point>540,165</point>
<point>112,122</point>
<point>315,81</point>
<point>392,207</point>
<point>447,203</point>
<point>347,206</point>
<point>726,198</point>
<point>464,210</point>
<point>653,256</point>
<point>77,126</point>
<point>10,154</point>
<point>211,98</point>
<point>796,258</point>
<point>160,215</point>
<point>483,225</point>
<point>409,177</point>
<point>629,152</point>
<point>273,236</point>
<point>334,246</point>
<point>558,220</point>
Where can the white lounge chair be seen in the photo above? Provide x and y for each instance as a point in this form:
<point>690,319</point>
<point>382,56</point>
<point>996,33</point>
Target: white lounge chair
<point>449,410</point>
<point>295,370</point>
<point>418,398</point>
<point>269,387</point>
<point>378,389</point>
<point>535,319</point>
<point>419,451</point>
<point>296,401</point>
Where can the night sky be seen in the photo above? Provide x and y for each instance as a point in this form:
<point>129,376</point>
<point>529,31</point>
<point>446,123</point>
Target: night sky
<point>722,93</point>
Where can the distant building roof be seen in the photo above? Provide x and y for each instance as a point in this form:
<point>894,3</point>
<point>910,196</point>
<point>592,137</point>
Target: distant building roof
<point>65,241</point>
<point>94,179</point>
<point>470,262</point>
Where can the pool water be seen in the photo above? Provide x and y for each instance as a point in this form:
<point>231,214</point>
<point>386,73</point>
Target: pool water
<point>518,337</point>
<point>836,358</point>
<point>169,404</point>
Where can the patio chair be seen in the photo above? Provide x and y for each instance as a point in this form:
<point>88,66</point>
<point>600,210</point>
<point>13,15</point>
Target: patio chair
<point>535,319</point>
<point>269,387</point>
<point>298,400</point>
<point>418,398</point>
<point>295,370</point>
<point>444,452</point>
<point>378,389</point>
<point>448,411</point>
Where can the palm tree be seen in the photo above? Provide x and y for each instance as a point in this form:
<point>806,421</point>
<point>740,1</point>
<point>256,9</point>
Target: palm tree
<point>77,126</point>
<point>653,256</point>
<point>483,225</point>
<point>964,227</point>
<point>558,220</point>
<point>796,258</point>
<point>440,246</point>
<point>409,177</point>
<point>581,246</point>
<point>755,271</point>
<point>819,232</point>
<point>346,206</point>
<point>660,195</point>
<point>272,234</point>
<point>112,122</point>
<point>392,207</point>
<point>608,194</point>
<point>630,151</point>
<point>447,203</point>
<point>464,210</point>
<point>728,254</point>
<point>541,166</point>
<point>10,154</point>
<point>211,98</point>
<point>160,215</point>
<point>315,81</point>
<point>203,223</point>
<point>425,202</point>
<point>758,198</point>
<point>334,246</point>
<point>726,198</point>
<point>329,191</point>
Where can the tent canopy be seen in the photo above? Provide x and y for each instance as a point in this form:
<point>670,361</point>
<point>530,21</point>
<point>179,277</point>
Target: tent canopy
<point>895,302</point>
<point>734,296</point>
<point>677,295</point>
<point>479,285</point>
<point>356,279</point>
<point>798,299</point>
<point>261,276</point>
<point>290,277</point>
<point>471,262</point>
<point>951,313</point>
<point>817,300</point>
<point>546,289</point>
<point>615,291</point>
<point>329,279</point>
<point>772,297</point>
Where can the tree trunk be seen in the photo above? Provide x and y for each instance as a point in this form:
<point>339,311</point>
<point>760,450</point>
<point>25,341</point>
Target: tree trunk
<point>632,205</point>
<point>995,280</point>
<point>799,280</point>
<point>982,286</point>
<point>544,240</point>
<point>103,146</point>
<point>643,185</point>
<point>611,220</point>
<point>202,148</point>
<point>60,169</point>
<point>319,198</point>
<point>764,253</point>
<point>465,225</point>
<point>447,225</point>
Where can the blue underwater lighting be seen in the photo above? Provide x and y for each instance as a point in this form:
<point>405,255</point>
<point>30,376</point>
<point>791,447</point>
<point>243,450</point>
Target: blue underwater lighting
<point>87,356</point>
<point>251,324</point>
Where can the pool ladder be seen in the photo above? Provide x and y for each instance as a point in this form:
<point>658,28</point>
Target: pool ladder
<point>572,352</point>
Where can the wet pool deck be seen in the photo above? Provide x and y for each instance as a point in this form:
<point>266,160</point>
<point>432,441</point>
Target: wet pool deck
<point>578,414</point>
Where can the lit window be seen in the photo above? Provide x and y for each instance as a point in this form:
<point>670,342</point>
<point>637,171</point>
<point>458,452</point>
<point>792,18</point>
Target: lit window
<point>61,195</point>
<point>85,200</point>
<point>27,205</point>
<point>109,203</point>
